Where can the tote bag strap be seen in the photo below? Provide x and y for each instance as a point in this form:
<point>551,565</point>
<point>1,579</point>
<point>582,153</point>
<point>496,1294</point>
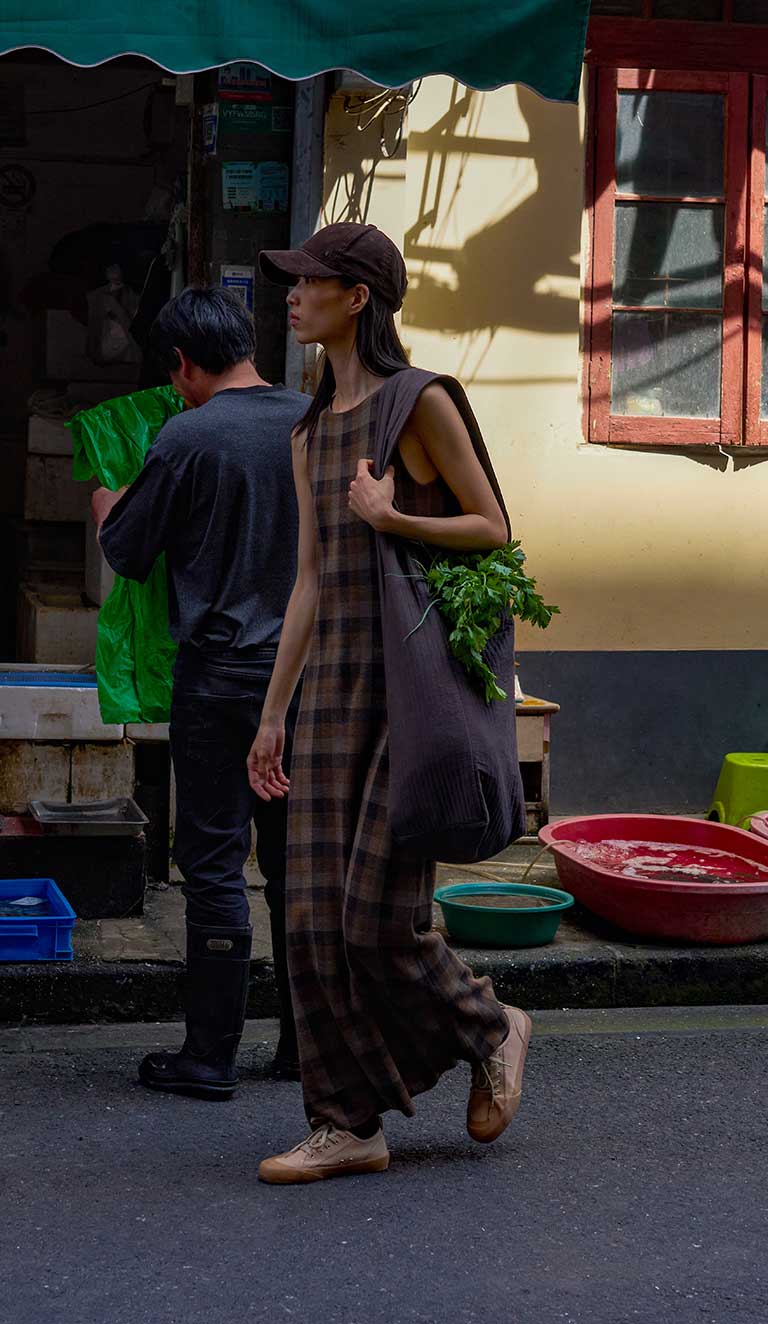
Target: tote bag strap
<point>397,401</point>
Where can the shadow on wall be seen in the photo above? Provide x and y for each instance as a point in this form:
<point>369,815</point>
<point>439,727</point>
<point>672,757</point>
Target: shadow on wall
<point>358,142</point>
<point>507,274</point>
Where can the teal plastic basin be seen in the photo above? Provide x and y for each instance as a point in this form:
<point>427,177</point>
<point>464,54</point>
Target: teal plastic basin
<point>500,926</point>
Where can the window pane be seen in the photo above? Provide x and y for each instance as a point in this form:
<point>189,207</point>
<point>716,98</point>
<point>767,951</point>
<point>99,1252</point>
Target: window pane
<point>670,144</point>
<point>668,255</point>
<point>625,8</point>
<point>666,365</point>
<point>765,259</point>
<point>704,11</point>
<point>764,383</point>
<point>750,11</point>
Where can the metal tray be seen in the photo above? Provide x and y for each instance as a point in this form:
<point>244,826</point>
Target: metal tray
<point>93,818</point>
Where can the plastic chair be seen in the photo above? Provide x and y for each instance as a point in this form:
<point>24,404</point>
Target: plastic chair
<point>742,789</point>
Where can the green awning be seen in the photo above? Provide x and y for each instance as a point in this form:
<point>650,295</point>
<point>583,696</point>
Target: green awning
<point>392,42</point>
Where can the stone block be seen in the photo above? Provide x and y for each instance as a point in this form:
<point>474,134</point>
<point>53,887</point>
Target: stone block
<point>102,771</point>
<point>32,771</point>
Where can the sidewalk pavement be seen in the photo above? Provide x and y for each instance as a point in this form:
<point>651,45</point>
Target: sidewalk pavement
<point>131,969</point>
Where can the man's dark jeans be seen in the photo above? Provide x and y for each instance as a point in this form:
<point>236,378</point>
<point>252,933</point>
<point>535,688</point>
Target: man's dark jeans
<point>216,710</point>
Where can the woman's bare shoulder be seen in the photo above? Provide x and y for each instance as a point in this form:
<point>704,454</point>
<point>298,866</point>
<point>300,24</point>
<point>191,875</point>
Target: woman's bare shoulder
<point>434,407</point>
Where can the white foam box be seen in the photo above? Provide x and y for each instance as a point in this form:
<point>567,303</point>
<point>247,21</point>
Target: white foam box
<point>48,436</point>
<point>51,493</point>
<point>31,712</point>
<point>32,771</point>
<point>142,733</point>
<point>99,575</point>
<point>54,626</point>
<point>66,357</point>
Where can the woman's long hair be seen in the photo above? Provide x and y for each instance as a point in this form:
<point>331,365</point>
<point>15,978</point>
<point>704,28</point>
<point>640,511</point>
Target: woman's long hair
<point>378,347</point>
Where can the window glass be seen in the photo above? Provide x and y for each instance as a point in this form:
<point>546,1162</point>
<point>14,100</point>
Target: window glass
<point>764,378</point>
<point>670,144</point>
<point>764,382</point>
<point>666,365</point>
<point>668,255</point>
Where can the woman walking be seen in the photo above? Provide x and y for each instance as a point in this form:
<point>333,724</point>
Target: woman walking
<point>383,1007</point>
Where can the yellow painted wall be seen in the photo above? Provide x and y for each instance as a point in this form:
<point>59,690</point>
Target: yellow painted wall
<point>641,550</point>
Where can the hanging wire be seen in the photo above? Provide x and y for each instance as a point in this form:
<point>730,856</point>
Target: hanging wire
<point>91,105</point>
<point>382,105</point>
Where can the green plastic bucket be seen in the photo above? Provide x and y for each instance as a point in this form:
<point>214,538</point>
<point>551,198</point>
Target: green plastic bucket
<point>502,926</point>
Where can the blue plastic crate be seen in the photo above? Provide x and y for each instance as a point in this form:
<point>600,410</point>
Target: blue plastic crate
<point>67,680</point>
<point>36,937</point>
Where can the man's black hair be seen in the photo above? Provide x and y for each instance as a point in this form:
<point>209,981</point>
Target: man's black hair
<point>210,326</point>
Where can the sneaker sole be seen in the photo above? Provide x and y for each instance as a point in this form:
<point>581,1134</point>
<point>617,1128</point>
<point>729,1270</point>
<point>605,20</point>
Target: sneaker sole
<point>212,1092</point>
<point>486,1136</point>
<point>299,1177</point>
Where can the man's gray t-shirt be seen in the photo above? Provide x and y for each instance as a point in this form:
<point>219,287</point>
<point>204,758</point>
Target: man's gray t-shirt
<point>216,494</point>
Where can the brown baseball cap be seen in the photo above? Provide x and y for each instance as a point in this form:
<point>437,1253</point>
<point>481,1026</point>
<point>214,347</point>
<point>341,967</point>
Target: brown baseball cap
<point>358,252</point>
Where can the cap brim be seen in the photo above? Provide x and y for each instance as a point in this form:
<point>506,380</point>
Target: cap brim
<point>286,266</point>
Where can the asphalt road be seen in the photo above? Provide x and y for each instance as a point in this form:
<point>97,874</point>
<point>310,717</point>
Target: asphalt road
<point>631,1187</point>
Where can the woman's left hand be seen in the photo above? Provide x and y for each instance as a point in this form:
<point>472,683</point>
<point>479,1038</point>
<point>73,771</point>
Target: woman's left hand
<point>372,498</point>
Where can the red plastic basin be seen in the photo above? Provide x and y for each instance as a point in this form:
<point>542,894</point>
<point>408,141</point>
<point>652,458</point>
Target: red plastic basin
<point>693,912</point>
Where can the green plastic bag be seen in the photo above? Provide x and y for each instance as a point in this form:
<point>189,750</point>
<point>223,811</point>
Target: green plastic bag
<point>134,649</point>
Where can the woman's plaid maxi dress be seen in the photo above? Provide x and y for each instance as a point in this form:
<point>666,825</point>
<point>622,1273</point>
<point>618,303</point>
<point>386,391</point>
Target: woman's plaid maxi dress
<point>382,1005</point>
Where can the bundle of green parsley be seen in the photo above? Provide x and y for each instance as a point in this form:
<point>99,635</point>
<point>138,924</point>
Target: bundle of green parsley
<point>473,591</point>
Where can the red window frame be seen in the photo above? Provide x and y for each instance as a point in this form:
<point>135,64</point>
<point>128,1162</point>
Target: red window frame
<point>700,50</point>
<point>756,428</point>
<point>619,429</point>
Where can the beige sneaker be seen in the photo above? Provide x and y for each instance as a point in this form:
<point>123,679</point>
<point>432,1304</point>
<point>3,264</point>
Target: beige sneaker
<point>327,1152</point>
<point>497,1082</point>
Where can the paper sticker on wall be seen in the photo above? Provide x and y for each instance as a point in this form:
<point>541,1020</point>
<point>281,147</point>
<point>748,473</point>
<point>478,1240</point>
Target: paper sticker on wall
<point>247,186</point>
<point>210,128</point>
<point>240,280</point>
<point>241,118</point>
<point>245,82</point>
<point>273,186</point>
<point>239,185</point>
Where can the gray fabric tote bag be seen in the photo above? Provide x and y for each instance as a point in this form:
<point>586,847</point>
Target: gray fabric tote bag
<point>455,791</point>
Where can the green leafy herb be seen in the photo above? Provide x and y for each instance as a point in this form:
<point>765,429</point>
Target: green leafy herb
<point>473,591</point>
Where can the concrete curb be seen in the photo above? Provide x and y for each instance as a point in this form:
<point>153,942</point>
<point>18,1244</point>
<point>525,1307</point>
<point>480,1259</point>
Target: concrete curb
<point>566,974</point>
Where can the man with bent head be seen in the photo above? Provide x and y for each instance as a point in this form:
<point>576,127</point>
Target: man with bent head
<point>216,495</point>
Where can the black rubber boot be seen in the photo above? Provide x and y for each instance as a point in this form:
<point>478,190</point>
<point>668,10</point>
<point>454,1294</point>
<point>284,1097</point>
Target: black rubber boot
<point>285,1064</point>
<point>218,967</point>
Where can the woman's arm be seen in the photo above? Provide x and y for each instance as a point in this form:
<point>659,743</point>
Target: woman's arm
<point>265,771</point>
<point>436,441</point>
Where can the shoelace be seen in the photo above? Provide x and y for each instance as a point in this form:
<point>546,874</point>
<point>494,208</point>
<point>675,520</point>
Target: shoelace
<point>488,1075</point>
<point>325,1137</point>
